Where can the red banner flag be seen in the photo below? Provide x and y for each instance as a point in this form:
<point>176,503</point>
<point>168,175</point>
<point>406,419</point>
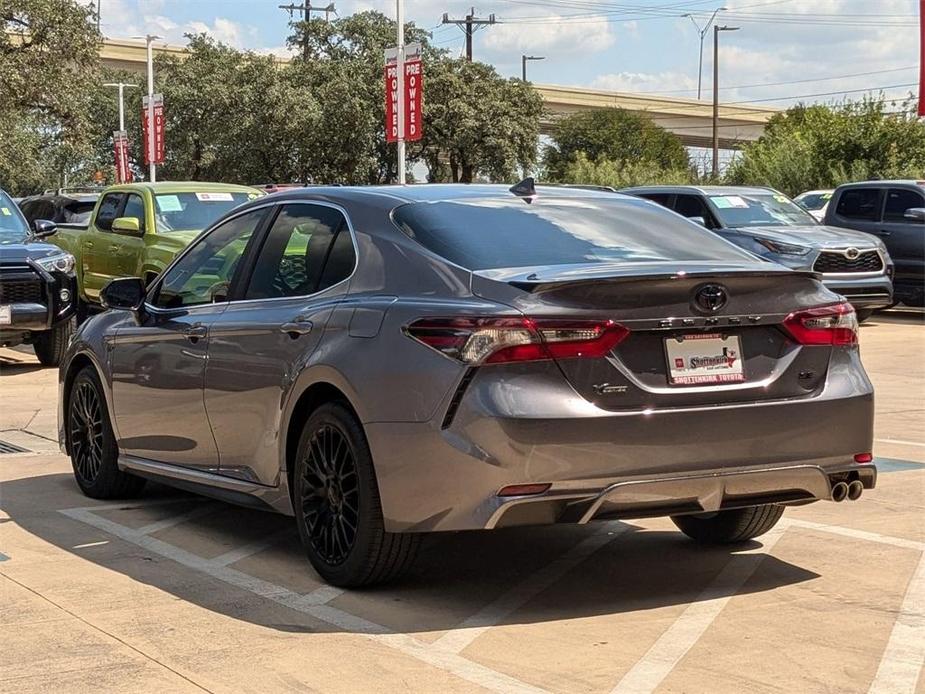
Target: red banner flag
<point>153,147</point>
<point>413,96</point>
<point>922,58</point>
<point>120,145</point>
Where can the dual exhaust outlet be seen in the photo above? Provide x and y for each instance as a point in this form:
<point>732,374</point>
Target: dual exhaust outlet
<point>847,490</point>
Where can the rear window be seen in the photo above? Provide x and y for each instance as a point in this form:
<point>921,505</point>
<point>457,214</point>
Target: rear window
<point>491,233</point>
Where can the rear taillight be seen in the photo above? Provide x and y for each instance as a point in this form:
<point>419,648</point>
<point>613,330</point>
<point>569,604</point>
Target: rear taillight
<point>825,325</point>
<point>501,340</point>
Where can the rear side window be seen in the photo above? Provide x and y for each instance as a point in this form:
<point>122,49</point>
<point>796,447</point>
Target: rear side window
<point>859,203</point>
<point>661,198</point>
<point>109,210</point>
<point>500,233</point>
<point>898,200</point>
<point>292,259</point>
<point>78,212</point>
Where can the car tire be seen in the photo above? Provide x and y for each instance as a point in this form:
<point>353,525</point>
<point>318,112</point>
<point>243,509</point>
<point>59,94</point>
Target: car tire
<point>337,506</point>
<point>50,345</point>
<point>82,311</point>
<point>728,527</point>
<point>863,314</point>
<point>92,444</point>
<point>915,300</point>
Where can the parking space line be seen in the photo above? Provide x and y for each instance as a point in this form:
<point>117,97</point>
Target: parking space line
<point>458,638</point>
<point>904,656</point>
<point>668,650</point>
<point>856,534</point>
<point>246,550</point>
<point>315,605</point>
<point>902,442</point>
<point>204,510</point>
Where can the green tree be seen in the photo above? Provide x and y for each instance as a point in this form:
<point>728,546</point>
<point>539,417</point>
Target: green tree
<point>822,146</point>
<point>613,135</point>
<point>606,172</point>
<point>48,55</point>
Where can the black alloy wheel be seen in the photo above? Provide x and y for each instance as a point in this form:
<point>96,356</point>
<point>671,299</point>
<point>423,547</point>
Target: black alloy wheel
<point>86,430</point>
<point>330,494</point>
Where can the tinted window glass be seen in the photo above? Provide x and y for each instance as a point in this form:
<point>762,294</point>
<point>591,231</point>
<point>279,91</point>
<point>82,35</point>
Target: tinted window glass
<point>13,227</point>
<point>293,255</point>
<point>109,210</point>
<point>204,274</point>
<point>692,206</point>
<point>759,209</point>
<point>661,198</point>
<point>898,201</point>
<point>500,233</point>
<point>341,259</point>
<point>135,207</point>
<point>814,201</point>
<point>194,211</point>
<point>78,212</point>
<point>859,203</point>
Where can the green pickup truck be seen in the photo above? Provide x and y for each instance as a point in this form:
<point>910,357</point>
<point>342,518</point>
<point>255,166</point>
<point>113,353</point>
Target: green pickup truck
<point>136,229</point>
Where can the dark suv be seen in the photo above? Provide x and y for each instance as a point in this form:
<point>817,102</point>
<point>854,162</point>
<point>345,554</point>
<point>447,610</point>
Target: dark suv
<point>37,286</point>
<point>71,207</point>
<point>894,212</point>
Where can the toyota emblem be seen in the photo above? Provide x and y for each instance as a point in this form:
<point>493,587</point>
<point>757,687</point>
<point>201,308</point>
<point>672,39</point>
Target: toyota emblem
<point>852,253</point>
<point>710,298</point>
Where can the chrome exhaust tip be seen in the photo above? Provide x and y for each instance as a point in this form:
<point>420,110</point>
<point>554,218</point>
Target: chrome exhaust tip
<point>855,489</point>
<point>839,491</point>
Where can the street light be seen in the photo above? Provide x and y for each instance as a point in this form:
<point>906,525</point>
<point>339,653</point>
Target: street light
<point>702,31</point>
<point>523,63</point>
<point>716,30</point>
<point>122,86</point>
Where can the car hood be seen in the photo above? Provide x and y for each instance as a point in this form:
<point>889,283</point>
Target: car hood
<point>29,250</point>
<point>814,236</point>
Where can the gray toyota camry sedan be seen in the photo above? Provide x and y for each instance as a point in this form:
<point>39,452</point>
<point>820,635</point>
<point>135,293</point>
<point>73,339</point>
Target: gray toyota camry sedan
<point>386,362</point>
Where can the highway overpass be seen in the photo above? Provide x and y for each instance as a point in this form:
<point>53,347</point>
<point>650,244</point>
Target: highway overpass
<point>690,119</point>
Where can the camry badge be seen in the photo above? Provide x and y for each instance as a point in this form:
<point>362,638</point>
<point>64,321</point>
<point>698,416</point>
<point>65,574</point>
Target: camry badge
<point>710,298</point>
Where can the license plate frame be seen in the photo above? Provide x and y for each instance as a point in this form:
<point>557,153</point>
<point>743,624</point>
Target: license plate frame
<point>704,359</point>
<point>6,314</point>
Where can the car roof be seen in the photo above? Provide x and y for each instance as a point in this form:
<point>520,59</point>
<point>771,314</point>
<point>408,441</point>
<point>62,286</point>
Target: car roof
<point>66,197</point>
<point>167,187</point>
<point>883,183</point>
<point>703,190</point>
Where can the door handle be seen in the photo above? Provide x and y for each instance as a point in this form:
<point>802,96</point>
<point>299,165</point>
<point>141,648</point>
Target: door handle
<point>884,232</point>
<point>114,247</point>
<point>194,333</point>
<point>296,329</point>
<point>88,244</point>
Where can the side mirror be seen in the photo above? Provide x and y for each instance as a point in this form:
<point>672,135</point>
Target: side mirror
<point>915,214</point>
<point>130,226</point>
<point>699,220</point>
<point>124,293</point>
<point>42,228</point>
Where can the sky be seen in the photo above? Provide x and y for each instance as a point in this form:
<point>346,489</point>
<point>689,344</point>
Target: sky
<point>784,51</point>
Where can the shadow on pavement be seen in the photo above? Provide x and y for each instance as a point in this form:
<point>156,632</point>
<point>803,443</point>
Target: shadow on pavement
<point>457,575</point>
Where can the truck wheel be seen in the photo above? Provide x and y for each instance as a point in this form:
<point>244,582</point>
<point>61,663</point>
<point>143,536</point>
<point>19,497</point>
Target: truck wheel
<point>863,314</point>
<point>49,346</point>
<point>727,527</point>
<point>92,443</point>
<point>337,507</point>
<point>82,312</point>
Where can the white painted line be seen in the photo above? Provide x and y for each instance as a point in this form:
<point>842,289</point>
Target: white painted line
<point>904,656</point>
<point>91,544</point>
<point>315,605</point>
<point>668,650</point>
<point>856,534</point>
<point>902,442</point>
<point>203,510</point>
<point>456,640</point>
<point>246,550</point>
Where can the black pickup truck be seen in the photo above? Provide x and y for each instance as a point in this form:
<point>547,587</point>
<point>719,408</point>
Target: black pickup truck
<point>38,287</point>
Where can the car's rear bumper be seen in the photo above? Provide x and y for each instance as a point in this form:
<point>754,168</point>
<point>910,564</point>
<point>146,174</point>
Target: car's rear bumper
<point>617,464</point>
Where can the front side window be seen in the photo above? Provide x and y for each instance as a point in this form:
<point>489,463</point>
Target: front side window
<point>204,274</point>
<point>759,209</point>
<point>109,210</point>
<point>859,203</point>
<point>692,206</point>
<point>898,200</point>
<point>292,260</point>
<point>13,228</point>
<point>194,211</point>
<point>135,207</point>
<point>483,234</point>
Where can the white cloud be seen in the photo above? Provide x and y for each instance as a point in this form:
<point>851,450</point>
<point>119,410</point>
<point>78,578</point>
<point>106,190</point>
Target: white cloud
<point>549,33</point>
<point>664,82</point>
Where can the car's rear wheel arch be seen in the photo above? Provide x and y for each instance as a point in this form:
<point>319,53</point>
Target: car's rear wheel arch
<point>313,397</point>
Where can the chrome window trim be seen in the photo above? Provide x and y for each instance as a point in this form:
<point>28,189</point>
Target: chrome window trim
<point>277,204</point>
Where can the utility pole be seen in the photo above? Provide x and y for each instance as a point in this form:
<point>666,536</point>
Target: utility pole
<point>716,30</point>
<point>122,86</point>
<point>99,12</point>
<point>523,64</point>
<point>306,8</point>
<point>469,25</point>
<point>702,31</point>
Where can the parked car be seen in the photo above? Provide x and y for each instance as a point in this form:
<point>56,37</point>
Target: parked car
<point>814,202</point>
<point>893,212</point>
<point>389,361</point>
<point>771,225</point>
<point>37,286</point>
<point>63,208</point>
<point>136,229</point>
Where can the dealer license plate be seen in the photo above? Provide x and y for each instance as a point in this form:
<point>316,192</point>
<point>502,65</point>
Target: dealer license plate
<point>704,358</point>
<point>6,314</point>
